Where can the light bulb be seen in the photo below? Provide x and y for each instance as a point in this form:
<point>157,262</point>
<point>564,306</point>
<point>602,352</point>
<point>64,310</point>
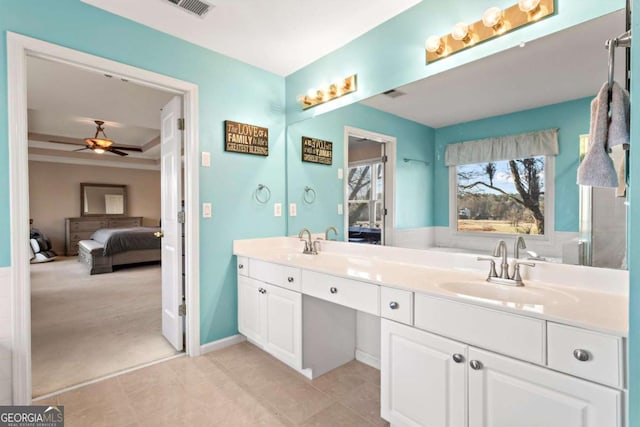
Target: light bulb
<point>98,150</point>
<point>528,6</point>
<point>434,44</point>
<point>492,18</point>
<point>460,32</point>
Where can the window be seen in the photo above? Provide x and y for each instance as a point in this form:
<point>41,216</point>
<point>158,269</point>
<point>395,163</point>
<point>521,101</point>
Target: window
<point>504,197</point>
<point>365,195</point>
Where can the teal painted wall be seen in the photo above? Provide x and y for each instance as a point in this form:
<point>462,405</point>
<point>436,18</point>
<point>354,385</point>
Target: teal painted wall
<point>414,181</point>
<point>634,236</point>
<point>392,54</point>
<point>572,120</point>
<point>228,89</point>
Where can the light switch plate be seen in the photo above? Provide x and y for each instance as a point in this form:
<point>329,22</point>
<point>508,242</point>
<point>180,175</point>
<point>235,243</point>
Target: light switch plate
<point>277,209</point>
<point>206,210</point>
<point>339,208</point>
<point>293,209</point>
<point>340,173</point>
<point>206,159</point>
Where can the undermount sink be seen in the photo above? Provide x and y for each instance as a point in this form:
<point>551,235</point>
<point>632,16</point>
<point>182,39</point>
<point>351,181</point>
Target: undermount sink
<point>506,294</point>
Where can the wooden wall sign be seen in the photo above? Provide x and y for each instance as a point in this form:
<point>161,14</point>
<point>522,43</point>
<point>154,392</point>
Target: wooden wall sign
<point>317,151</point>
<point>244,138</point>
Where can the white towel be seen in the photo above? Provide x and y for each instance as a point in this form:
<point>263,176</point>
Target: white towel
<point>620,118</point>
<point>597,168</point>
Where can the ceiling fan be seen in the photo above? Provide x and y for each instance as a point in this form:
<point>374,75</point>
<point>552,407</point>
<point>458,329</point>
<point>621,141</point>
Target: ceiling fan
<point>100,145</point>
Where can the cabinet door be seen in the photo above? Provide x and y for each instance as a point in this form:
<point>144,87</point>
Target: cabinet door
<point>504,393</point>
<point>250,309</point>
<point>283,337</point>
<point>421,383</point>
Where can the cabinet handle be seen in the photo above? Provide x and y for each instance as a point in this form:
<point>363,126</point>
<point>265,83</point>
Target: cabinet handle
<point>458,358</point>
<point>476,365</point>
<point>581,355</point>
<point>333,290</point>
<point>290,279</point>
<point>262,290</point>
<point>240,266</point>
<point>394,305</point>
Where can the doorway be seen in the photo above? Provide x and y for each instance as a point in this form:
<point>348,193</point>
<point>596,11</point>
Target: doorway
<point>18,48</point>
<point>369,186</point>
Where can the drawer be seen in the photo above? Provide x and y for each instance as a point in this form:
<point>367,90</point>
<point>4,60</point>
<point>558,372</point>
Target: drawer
<point>242,263</point>
<point>280,275</point>
<point>396,304</point>
<point>81,235</point>
<point>88,225</point>
<point>604,354</point>
<point>123,223</point>
<point>350,293</point>
<point>509,334</point>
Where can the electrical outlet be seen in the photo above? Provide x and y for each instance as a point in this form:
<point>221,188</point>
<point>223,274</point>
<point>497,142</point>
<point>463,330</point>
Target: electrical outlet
<point>339,208</point>
<point>206,159</point>
<point>293,209</point>
<point>206,210</point>
<point>277,209</point>
<point>340,173</point>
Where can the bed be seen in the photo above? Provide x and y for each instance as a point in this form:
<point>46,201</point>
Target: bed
<point>109,247</point>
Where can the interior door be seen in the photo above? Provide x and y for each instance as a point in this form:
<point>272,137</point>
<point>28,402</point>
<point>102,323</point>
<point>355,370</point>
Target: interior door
<point>171,190</point>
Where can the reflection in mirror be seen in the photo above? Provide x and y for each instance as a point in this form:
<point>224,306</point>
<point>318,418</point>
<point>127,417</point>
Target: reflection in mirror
<point>547,84</point>
<point>103,199</point>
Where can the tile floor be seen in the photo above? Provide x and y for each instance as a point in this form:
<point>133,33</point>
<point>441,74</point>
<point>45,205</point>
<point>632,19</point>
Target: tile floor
<point>237,386</point>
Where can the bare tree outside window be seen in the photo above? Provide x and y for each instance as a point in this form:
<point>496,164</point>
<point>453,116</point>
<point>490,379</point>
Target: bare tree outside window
<point>502,197</point>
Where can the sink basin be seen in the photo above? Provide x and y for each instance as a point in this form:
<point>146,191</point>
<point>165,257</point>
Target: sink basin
<point>506,294</point>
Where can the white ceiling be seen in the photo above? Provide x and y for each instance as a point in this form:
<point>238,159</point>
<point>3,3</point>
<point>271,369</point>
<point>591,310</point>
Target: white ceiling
<point>567,65</point>
<point>63,101</point>
<point>279,36</point>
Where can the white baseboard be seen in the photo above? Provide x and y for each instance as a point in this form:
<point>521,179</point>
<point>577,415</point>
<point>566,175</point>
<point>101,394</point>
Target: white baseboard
<point>367,359</point>
<point>220,344</point>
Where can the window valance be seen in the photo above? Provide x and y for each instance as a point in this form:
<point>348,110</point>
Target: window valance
<point>541,143</point>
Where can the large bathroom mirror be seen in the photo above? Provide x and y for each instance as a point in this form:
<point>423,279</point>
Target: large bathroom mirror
<point>546,84</point>
<point>103,199</point>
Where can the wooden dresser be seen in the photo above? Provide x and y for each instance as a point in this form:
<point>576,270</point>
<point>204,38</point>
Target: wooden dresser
<point>81,228</point>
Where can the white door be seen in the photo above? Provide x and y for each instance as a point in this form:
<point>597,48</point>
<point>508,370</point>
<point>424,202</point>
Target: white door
<point>505,393</point>
<point>283,312</point>
<point>422,385</point>
<point>250,309</point>
<point>171,190</point>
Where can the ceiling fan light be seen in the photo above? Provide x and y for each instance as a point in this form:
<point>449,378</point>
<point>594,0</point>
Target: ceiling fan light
<point>98,150</point>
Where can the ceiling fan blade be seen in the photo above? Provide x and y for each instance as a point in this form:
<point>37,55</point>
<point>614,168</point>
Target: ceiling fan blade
<point>80,149</point>
<point>118,147</point>
<point>64,142</point>
<point>118,152</point>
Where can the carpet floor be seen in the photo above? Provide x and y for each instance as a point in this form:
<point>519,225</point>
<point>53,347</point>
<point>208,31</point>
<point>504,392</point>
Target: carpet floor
<point>85,327</point>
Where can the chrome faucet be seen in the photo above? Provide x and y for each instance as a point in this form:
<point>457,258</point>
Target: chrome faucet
<point>331,228</point>
<point>308,244</point>
<point>519,244</point>
<point>501,251</point>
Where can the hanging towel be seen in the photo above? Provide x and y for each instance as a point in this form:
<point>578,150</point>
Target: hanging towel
<point>619,124</point>
<point>597,169</point>
<point>621,191</point>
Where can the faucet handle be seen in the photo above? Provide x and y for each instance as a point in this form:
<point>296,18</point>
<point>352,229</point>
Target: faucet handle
<point>516,269</point>
<point>492,266</point>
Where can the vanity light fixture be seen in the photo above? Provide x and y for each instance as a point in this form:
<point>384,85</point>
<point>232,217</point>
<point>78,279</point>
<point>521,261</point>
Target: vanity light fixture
<point>328,93</point>
<point>494,22</point>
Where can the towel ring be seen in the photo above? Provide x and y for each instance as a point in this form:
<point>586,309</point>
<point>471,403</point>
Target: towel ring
<point>265,192</point>
<point>309,195</point>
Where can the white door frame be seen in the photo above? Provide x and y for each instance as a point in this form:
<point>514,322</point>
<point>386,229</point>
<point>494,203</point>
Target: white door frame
<point>390,143</point>
<point>18,47</point>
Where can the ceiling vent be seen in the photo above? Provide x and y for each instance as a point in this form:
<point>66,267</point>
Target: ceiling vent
<point>393,93</point>
<point>196,7</point>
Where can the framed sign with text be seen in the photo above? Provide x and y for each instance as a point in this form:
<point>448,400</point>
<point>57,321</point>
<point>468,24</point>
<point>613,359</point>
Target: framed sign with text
<point>317,151</point>
<point>244,138</point>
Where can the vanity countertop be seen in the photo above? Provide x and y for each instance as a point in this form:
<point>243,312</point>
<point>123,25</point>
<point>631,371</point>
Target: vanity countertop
<point>461,278</point>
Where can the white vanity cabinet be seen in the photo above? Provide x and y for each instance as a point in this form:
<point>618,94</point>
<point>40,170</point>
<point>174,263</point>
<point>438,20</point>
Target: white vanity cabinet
<point>431,381</point>
<point>271,317</point>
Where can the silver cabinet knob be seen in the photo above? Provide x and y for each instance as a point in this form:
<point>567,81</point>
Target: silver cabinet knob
<point>458,358</point>
<point>476,365</point>
<point>290,279</point>
<point>262,290</point>
<point>240,266</point>
<point>333,290</point>
<point>394,305</point>
<point>581,355</point>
